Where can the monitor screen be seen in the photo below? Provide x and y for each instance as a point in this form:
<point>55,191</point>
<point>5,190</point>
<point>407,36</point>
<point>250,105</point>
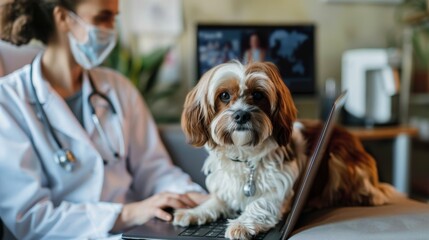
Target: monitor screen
<point>290,47</point>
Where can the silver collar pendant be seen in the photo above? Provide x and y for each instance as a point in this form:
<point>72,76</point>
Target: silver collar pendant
<point>249,188</point>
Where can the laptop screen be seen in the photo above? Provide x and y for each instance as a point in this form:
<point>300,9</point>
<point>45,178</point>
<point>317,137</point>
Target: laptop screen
<point>312,167</point>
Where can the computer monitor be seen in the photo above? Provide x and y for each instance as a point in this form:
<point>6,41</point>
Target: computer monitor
<point>290,47</point>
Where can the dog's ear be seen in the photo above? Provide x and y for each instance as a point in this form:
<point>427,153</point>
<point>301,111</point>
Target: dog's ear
<point>285,112</point>
<point>196,115</point>
<point>193,120</point>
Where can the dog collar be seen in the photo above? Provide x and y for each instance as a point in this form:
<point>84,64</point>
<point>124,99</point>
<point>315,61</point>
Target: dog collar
<point>249,188</point>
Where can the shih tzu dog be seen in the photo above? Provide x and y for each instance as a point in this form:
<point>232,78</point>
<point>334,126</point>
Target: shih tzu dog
<point>245,117</point>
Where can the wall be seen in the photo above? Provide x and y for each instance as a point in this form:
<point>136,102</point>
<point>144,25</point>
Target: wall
<point>339,27</point>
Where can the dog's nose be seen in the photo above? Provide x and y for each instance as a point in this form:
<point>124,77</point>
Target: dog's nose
<point>241,116</point>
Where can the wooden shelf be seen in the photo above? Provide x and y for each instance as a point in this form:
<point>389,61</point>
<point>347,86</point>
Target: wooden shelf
<point>419,98</point>
<point>381,133</point>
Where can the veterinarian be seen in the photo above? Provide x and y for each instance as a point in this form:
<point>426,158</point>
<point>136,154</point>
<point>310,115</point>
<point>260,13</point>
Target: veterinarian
<point>80,156</point>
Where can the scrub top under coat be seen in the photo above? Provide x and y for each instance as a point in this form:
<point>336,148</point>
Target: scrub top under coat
<point>38,198</point>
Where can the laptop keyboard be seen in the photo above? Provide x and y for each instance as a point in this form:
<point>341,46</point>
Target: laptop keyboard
<point>212,230</point>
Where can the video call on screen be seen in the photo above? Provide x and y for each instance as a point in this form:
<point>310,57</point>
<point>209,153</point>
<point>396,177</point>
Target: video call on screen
<point>291,48</point>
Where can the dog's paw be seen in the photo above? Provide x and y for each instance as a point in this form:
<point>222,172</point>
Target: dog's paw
<point>185,218</point>
<point>238,230</point>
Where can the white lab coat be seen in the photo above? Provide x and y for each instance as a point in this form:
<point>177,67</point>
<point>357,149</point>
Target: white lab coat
<point>39,199</point>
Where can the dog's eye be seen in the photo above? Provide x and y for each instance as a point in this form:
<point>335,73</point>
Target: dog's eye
<point>225,97</point>
<point>257,96</point>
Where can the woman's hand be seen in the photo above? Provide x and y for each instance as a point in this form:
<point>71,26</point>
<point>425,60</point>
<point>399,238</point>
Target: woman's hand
<point>197,197</point>
<point>138,213</point>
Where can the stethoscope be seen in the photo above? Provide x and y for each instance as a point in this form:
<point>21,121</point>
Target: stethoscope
<point>64,157</point>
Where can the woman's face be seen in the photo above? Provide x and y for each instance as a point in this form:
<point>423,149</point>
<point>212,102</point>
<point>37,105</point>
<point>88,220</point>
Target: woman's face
<point>99,13</point>
<point>254,41</point>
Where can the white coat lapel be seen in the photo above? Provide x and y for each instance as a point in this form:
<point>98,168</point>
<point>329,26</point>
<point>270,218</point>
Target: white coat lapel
<point>58,113</point>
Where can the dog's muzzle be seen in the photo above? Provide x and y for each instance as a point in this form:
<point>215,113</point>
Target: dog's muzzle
<point>241,117</point>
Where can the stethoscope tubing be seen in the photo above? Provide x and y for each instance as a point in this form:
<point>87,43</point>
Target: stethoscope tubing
<point>41,112</point>
<point>97,124</point>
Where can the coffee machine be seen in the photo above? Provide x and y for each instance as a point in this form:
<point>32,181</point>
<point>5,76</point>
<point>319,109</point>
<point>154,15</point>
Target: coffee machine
<point>372,82</point>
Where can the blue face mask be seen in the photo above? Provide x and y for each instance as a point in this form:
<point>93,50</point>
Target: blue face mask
<point>96,46</point>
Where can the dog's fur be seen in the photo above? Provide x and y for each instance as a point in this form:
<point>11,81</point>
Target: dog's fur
<point>272,142</point>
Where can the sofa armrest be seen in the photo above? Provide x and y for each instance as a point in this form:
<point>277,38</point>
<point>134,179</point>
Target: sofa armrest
<point>187,157</point>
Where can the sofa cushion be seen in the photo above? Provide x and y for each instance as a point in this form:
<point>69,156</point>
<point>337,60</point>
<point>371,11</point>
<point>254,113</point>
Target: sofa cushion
<point>402,219</point>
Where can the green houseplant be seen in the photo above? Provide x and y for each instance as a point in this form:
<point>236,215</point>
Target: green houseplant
<point>143,71</point>
<point>415,14</point>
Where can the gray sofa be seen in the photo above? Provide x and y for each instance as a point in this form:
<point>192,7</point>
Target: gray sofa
<point>404,219</point>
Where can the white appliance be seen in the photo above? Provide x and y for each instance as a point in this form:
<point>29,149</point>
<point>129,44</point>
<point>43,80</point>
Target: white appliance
<point>368,76</point>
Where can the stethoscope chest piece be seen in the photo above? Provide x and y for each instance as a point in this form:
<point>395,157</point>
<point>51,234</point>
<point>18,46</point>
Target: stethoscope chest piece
<point>66,159</point>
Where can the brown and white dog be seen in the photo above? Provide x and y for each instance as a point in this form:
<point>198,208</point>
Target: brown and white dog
<point>246,119</point>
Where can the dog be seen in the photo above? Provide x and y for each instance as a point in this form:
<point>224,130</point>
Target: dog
<point>244,115</point>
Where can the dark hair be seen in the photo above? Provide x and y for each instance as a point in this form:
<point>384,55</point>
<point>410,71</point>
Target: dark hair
<point>23,20</point>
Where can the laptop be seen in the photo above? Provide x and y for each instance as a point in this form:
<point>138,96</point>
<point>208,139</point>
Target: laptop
<point>158,229</point>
